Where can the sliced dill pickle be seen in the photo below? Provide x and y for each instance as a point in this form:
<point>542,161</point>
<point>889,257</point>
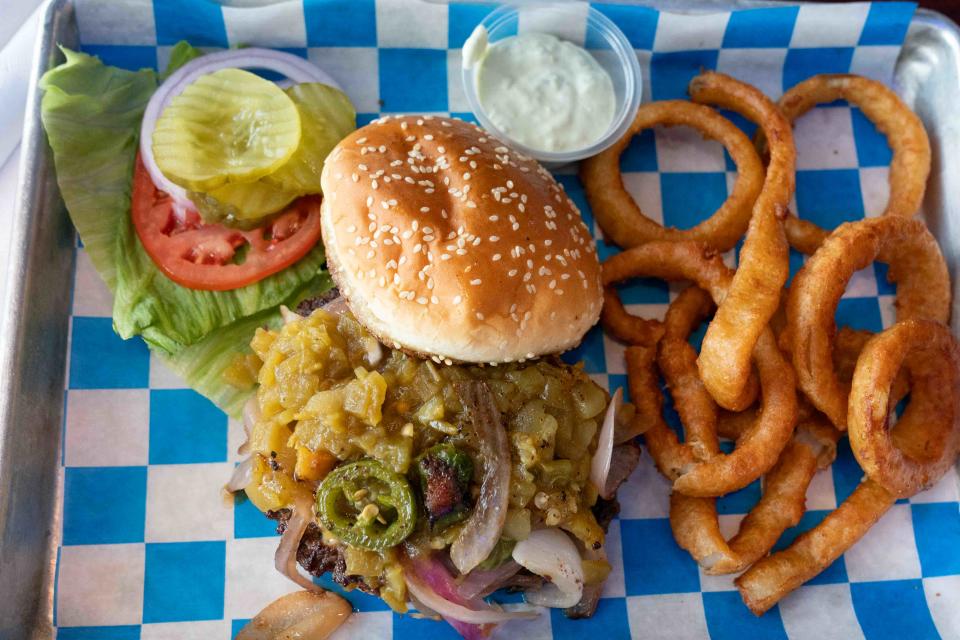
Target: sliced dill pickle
<point>228,126</point>
<point>326,117</point>
<point>241,201</point>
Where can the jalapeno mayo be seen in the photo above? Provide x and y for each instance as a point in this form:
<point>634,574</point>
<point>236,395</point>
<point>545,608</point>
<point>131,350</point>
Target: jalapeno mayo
<point>540,91</point>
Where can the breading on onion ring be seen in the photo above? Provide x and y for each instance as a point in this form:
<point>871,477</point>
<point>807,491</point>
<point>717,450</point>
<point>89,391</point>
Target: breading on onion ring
<point>782,505</point>
<point>923,291</point>
<point>759,447</point>
<point>678,365</point>
<point>754,295</point>
<point>771,578</point>
<point>694,520</point>
<point>617,212</point>
<point>670,456</point>
<point>909,165</point>
<point>625,326</point>
<point>925,441</point>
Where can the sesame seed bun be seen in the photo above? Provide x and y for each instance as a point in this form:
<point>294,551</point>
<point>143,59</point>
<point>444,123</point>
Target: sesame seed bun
<point>447,244</point>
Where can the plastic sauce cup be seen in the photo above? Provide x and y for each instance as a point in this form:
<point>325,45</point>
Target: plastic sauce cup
<point>601,38</point>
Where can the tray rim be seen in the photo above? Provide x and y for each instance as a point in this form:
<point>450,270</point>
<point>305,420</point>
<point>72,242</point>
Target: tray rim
<point>26,610</point>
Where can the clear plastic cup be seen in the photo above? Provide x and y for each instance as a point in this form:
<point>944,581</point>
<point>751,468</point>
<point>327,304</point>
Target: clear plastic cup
<point>602,39</point>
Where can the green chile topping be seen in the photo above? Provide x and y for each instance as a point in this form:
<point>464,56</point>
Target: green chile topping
<point>367,505</point>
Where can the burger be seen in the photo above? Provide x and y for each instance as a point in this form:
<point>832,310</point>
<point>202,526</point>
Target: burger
<point>417,436</point>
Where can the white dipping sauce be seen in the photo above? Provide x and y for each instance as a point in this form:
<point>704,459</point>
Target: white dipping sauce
<point>543,92</point>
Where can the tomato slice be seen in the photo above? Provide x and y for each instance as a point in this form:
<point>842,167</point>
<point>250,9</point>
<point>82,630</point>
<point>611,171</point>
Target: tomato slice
<point>214,257</point>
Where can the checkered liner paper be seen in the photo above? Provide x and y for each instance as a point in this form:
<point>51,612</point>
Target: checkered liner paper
<point>151,550</point>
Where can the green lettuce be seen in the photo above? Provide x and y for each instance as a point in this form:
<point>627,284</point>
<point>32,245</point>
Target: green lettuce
<point>92,113</point>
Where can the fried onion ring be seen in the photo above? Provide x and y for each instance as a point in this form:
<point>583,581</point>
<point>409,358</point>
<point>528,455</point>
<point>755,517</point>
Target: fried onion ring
<point>771,578</point>
<point>759,447</point>
<point>923,291</point>
<point>678,365</point>
<point>617,212</point>
<point>694,520</point>
<point>925,441</point>
<point>625,326</point>
<point>782,505</point>
<point>753,297</point>
<point>909,166</point>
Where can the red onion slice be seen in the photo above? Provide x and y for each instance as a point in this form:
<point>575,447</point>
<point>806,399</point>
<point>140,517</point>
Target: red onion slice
<point>600,464</point>
<point>429,582</point>
<point>479,583</point>
<point>286,64</point>
<point>483,528</point>
<point>285,560</point>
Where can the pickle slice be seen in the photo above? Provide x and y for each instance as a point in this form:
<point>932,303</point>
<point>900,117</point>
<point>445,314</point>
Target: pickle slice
<point>241,204</point>
<point>228,126</point>
<point>326,117</point>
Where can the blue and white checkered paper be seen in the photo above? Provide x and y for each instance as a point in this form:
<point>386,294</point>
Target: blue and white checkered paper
<point>150,548</point>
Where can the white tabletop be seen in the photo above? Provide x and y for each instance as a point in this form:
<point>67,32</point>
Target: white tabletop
<point>17,36</point>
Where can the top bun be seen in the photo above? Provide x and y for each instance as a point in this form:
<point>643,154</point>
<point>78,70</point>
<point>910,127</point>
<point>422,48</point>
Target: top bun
<point>446,243</point>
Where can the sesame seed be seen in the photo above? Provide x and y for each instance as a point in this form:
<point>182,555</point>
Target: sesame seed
<point>496,257</point>
<point>493,238</point>
<point>352,228</point>
<point>355,177</point>
<point>457,299</point>
<point>511,273</point>
<point>444,256</point>
<point>361,140</point>
<point>424,209</point>
<point>479,316</point>
<point>374,185</point>
<point>422,300</point>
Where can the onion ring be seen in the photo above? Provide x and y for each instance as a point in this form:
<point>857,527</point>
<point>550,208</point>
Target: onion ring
<point>753,296</point>
<point>909,165</point>
<point>771,578</point>
<point>925,441</point>
<point>678,365</point>
<point>617,212</point>
<point>923,291</point>
<point>782,505</point>
<point>759,448</point>
<point>694,520</point>
<point>625,326</point>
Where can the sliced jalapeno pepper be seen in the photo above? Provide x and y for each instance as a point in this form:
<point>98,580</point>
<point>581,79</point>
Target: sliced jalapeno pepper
<point>367,505</point>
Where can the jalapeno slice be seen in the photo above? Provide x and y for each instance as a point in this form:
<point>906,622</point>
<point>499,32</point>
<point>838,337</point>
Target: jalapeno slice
<point>367,505</point>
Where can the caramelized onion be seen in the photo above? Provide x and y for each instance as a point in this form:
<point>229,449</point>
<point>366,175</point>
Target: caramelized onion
<point>302,614</point>
<point>241,477</point>
<point>552,554</point>
<point>481,531</point>
<point>600,465</point>
<point>285,560</point>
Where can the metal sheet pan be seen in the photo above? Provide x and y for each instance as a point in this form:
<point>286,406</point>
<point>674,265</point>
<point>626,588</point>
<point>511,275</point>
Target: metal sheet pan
<point>36,310</point>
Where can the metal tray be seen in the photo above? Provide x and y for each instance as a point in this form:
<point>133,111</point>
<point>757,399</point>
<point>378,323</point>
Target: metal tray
<point>36,311</point>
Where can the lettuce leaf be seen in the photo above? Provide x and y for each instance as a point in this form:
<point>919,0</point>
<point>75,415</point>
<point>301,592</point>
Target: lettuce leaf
<point>181,53</point>
<point>92,114</point>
